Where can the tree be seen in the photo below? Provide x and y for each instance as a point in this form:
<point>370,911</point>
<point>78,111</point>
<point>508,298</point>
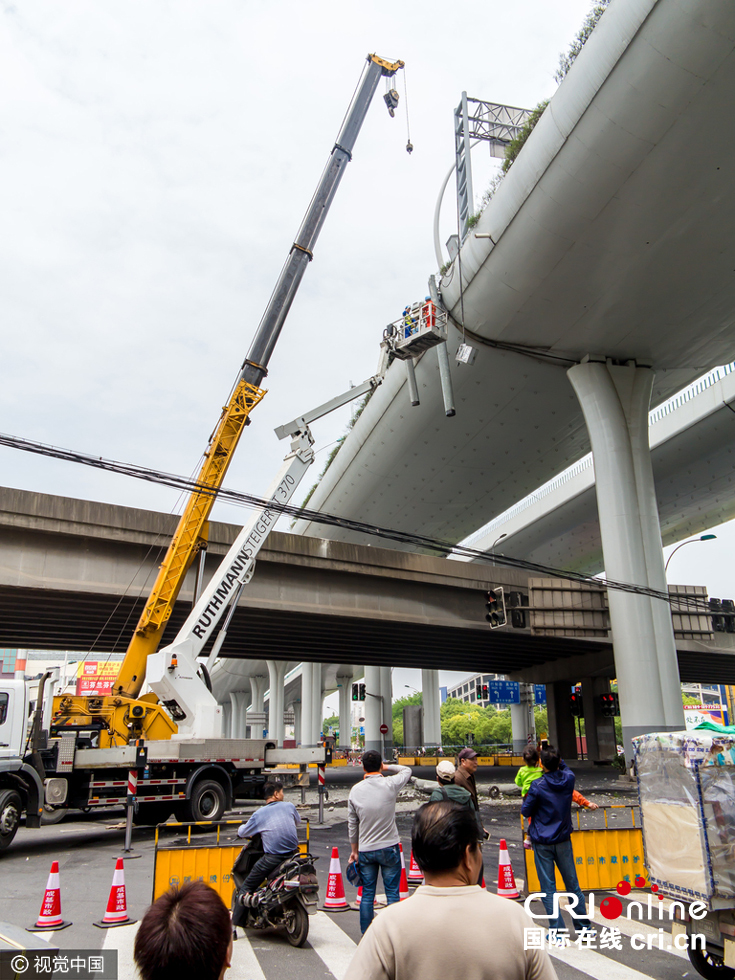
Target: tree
<point>331,722</point>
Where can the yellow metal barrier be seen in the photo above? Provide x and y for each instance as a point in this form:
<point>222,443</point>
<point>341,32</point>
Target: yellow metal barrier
<point>204,857</point>
<point>603,856</point>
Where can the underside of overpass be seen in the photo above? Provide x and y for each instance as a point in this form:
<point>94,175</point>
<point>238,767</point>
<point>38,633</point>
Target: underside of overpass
<point>47,619</point>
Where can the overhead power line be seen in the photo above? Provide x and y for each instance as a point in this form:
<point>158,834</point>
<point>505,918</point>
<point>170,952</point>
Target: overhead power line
<point>419,541</point>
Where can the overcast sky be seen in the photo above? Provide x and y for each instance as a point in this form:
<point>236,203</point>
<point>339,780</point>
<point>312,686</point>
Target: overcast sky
<point>157,159</point>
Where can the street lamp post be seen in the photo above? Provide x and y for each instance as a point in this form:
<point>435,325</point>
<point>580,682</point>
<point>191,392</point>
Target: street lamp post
<point>492,550</point>
<point>704,537</point>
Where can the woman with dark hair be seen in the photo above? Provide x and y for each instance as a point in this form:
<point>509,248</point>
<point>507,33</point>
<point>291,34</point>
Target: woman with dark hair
<point>450,928</point>
<point>185,935</point>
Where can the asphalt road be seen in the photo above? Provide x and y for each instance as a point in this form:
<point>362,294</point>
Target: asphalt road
<point>86,850</point>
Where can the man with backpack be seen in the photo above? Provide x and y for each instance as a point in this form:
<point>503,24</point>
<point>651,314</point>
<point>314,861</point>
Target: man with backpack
<point>448,790</point>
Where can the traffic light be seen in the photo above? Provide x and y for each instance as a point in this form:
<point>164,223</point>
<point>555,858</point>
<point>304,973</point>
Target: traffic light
<point>362,692</point>
<point>576,707</point>
<point>495,607</point>
<point>485,692</point>
<point>478,692</point>
<point>608,705</point>
<point>358,692</point>
<point>516,600</point>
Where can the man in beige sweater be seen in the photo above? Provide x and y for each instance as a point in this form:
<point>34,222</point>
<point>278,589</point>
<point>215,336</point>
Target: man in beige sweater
<point>409,940</point>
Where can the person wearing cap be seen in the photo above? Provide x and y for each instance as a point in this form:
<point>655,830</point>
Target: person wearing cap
<point>465,775</point>
<point>447,790</point>
<point>449,927</point>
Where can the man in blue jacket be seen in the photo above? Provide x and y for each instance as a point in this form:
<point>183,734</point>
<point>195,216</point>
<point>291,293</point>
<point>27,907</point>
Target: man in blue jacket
<point>549,805</point>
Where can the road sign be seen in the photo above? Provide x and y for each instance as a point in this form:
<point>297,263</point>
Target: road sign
<point>539,693</point>
<point>504,692</point>
<point>384,729</point>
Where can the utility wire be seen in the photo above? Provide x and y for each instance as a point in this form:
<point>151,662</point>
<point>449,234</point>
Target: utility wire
<point>419,541</point>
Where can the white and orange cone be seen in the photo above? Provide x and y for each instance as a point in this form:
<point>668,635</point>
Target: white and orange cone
<point>415,874</point>
<point>50,915</point>
<point>403,891</point>
<point>117,906</point>
<point>506,878</point>
<point>358,900</point>
<point>335,900</point>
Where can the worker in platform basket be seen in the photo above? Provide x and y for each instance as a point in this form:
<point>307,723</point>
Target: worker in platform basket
<point>450,928</point>
<point>187,932</point>
<point>276,823</point>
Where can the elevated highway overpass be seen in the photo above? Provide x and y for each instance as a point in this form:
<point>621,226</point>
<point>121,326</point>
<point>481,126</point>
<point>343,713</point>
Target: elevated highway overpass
<point>598,282</point>
<point>692,440</point>
<point>74,575</point>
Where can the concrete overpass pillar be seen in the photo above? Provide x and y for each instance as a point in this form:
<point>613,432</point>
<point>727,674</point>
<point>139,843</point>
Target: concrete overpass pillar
<point>345,710</point>
<point>258,684</point>
<point>307,700</point>
<point>431,708</point>
<point>386,690</point>
<point>317,710</point>
<point>614,401</point>
<point>277,673</point>
<point>600,731</point>
<point>562,731</point>
<point>227,720</point>
<point>521,719</point>
<point>296,705</point>
<point>373,713</point>
<point>238,702</point>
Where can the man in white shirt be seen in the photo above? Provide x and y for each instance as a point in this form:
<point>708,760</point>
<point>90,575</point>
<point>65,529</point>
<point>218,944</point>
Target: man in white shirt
<point>371,821</point>
<point>450,927</point>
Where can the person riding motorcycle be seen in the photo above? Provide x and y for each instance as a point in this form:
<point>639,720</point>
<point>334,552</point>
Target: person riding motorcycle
<point>276,823</point>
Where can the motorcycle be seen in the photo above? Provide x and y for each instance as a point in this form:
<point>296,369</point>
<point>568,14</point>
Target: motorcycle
<point>284,900</point>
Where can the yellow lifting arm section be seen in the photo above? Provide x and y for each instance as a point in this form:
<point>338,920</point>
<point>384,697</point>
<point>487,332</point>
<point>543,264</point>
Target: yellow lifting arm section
<point>124,715</point>
<point>188,539</point>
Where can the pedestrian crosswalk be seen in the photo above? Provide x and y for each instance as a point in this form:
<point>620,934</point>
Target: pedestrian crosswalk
<point>333,939</point>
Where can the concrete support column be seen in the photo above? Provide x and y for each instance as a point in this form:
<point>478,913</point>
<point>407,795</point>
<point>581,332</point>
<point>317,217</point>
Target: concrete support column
<point>238,702</point>
<point>431,705</point>
<point>317,710</point>
<point>562,730</point>
<point>258,685</point>
<point>227,720</point>
<point>296,720</point>
<point>600,731</point>
<point>386,690</point>
<point>277,673</point>
<point>614,401</point>
<point>373,713</point>
<point>345,710</point>
<point>521,719</point>
<point>307,701</point>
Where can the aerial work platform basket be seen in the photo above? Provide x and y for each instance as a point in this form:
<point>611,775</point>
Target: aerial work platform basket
<point>422,325</point>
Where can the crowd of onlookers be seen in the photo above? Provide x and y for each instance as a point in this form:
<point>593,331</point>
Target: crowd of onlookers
<point>188,931</point>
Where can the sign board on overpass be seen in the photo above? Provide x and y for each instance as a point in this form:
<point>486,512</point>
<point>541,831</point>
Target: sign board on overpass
<point>504,692</point>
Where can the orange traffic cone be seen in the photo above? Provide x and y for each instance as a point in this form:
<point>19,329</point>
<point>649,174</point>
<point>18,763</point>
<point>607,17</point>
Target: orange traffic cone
<point>482,883</point>
<point>335,900</point>
<point>403,887</point>
<point>117,906</point>
<point>50,915</point>
<point>359,897</point>
<point>506,879</point>
<point>415,874</point>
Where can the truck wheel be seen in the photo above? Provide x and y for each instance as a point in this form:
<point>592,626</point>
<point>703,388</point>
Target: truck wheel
<point>208,801</point>
<point>52,815</point>
<point>150,814</point>
<point>11,807</point>
<point>710,965</point>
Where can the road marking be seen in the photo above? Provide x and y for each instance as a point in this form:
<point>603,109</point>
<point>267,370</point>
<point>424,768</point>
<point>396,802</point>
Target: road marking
<point>244,961</point>
<point>632,927</point>
<point>122,938</point>
<point>332,944</point>
<point>596,965</point>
